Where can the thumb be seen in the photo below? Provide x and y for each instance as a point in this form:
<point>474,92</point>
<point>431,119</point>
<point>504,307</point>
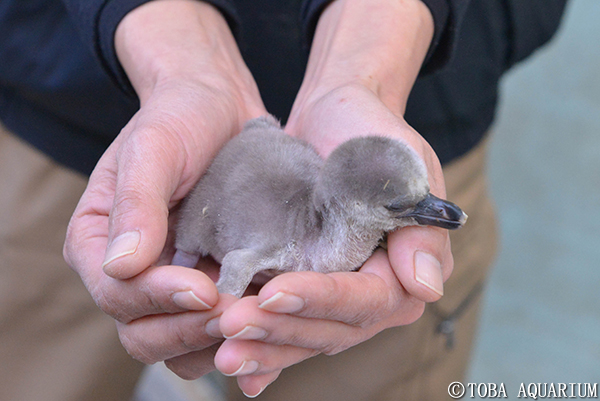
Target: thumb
<point>422,260</point>
<point>147,177</point>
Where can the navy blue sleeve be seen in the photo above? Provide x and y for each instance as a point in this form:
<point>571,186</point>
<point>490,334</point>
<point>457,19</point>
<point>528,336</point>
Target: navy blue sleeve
<point>447,15</point>
<point>529,28</point>
<point>97,21</point>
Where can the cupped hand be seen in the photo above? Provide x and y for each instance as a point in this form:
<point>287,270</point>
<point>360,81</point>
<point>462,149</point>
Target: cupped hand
<point>195,94</point>
<point>354,110</point>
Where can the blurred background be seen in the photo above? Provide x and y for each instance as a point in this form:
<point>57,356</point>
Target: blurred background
<point>541,319</point>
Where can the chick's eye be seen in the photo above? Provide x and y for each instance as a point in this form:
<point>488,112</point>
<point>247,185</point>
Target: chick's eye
<point>397,207</point>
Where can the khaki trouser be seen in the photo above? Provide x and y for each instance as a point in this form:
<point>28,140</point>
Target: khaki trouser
<point>56,345</point>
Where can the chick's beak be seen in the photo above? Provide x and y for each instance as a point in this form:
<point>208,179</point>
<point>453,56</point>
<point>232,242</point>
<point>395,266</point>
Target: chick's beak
<point>433,211</point>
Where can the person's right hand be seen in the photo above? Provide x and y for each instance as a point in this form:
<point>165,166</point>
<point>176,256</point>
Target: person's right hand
<point>195,93</point>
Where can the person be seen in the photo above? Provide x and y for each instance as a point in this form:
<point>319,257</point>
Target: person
<point>409,70</point>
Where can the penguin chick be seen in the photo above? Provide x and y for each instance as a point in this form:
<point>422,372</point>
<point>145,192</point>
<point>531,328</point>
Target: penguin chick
<point>270,204</point>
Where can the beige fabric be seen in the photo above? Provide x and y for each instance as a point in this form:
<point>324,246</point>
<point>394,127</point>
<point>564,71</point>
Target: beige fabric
<point>55,344</point>
<point>412,362</point>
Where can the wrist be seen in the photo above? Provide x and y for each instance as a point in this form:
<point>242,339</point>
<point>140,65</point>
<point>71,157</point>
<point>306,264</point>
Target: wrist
<point>187,41</point>
<point>379,45</point>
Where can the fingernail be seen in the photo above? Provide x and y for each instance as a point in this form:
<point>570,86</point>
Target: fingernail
<point>259,391</point>
<point>257,394</point>
<point>283,303</point>
<point>212,328</point>
<point>428,271</point>
<point>189,300</point>
<point>124,244</point>
<point>247,368</point>
<point>249,333</point>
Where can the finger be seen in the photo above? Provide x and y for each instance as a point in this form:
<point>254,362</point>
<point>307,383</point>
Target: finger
<point>163,289</point>
<point>195,364</point>
<point>149,167</point>
<point>422,260</point>
<point>355,298</point>
<point>243,358</point>
<point>159,337</point>
<point>86,239</point>
<point>252,386</point>
<point>246,321</point>
<point>159,290</point>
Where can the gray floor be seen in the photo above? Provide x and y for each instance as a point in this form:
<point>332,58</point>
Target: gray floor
<point>542,315</point>
<point>542,310</point>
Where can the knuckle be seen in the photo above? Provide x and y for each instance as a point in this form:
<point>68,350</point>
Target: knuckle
<point>335,348</point>
<point>109,305</point>
<point>138,202</point>
<point>410,313</point>
<point>136,350</point>
<point>141,356</point>
<point>194,364</point>
<point>73,245</point>
<point>67,247</point>
<point>331,292</point>
<point>150,299</point>
<point>128,200</point>
<point>67,256</point>
<point>103,302</point>
<point>183,371</point>
<point>363,319</point>
<point>343,342</point>
<point>378,308</point>
<point>190,340</point>
<point>415,313</point>
<point>155,298</point>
